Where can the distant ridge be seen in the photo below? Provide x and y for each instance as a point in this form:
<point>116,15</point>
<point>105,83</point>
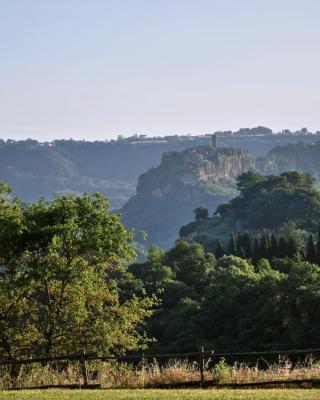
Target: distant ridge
<point>35,169</point>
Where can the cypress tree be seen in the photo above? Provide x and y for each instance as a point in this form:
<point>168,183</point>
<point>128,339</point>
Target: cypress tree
<point>292,247</point>
<point>264,245</point>
<point>318,251</point>
<point>247,245</point>
<point>318,247</point>
<point>256,251</point>
<point>311,250</point>
<point>282,247</point>
<point>238,243</point>
<point>232,247</point>
<point>220,251</point>
<point>274,247</point>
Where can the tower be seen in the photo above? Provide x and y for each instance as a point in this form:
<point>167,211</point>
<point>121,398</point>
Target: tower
<point>214,142</point>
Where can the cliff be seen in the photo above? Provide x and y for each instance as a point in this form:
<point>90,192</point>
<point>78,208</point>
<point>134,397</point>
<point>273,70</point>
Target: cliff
<point>168,194</point>
<point>194,166</point>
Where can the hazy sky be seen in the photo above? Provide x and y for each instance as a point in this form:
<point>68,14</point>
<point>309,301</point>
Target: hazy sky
<point>98,68</point>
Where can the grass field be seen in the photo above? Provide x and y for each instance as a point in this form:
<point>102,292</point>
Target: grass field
<point>140,394</point>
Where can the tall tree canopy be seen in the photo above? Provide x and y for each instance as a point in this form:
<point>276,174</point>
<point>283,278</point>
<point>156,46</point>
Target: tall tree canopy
<point>58,287</point>
<point>267,202</point>
<point>229,302</point>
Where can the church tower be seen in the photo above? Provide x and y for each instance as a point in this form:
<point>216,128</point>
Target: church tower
<point>214,142</point>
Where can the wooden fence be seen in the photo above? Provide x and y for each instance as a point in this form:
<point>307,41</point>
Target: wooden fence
<point>205,359</point>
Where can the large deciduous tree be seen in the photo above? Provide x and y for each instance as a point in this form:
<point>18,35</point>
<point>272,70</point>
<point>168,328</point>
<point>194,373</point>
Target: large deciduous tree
<point>58,284</point>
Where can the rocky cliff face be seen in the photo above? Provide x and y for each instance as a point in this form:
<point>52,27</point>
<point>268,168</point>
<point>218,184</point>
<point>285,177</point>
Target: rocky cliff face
<point>168,194</point>
<point>194,166</point>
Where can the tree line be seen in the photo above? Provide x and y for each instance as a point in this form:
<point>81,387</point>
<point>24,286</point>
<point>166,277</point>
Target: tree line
<point>270,245</point>
<point>228,302</point>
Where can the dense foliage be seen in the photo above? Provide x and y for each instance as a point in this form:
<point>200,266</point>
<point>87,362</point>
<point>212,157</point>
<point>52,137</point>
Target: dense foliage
<point>201,213</point>
<point>264,203</point>
<point>58,286</point>
<point>267,202</point>
<point>289,242</point>
<point>229,302</point>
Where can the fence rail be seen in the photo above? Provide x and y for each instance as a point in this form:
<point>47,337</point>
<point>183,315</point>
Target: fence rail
<point>202,356</point>
<point>270,352</point>
<point>95,356</point>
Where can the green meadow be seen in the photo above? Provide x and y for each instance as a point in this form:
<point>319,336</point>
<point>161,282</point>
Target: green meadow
<point>144,394</point>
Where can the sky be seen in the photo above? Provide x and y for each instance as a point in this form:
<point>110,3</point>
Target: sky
<point>96,69</point>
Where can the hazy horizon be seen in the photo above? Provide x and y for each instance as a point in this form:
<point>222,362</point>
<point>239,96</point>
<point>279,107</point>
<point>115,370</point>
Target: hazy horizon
<point>40,138</point>
<point>98,69</point>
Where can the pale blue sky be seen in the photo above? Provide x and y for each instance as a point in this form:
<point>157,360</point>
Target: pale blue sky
<point>98,68</point>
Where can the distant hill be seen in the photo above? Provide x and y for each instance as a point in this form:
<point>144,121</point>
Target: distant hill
<point>202,176</point>
<point>292,157</point>
<point>36,169</point>
<point>168,194</point>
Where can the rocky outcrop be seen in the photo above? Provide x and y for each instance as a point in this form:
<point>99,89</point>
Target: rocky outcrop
<point>168,194</point>
<point>194,166</point>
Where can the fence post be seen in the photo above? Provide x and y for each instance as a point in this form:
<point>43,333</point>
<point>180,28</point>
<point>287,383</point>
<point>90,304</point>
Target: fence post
<point>84,368</point>
<point>209,360</point>
<point>201,363</point>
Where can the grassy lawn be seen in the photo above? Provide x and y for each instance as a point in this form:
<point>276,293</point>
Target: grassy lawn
<point>195,394</point>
